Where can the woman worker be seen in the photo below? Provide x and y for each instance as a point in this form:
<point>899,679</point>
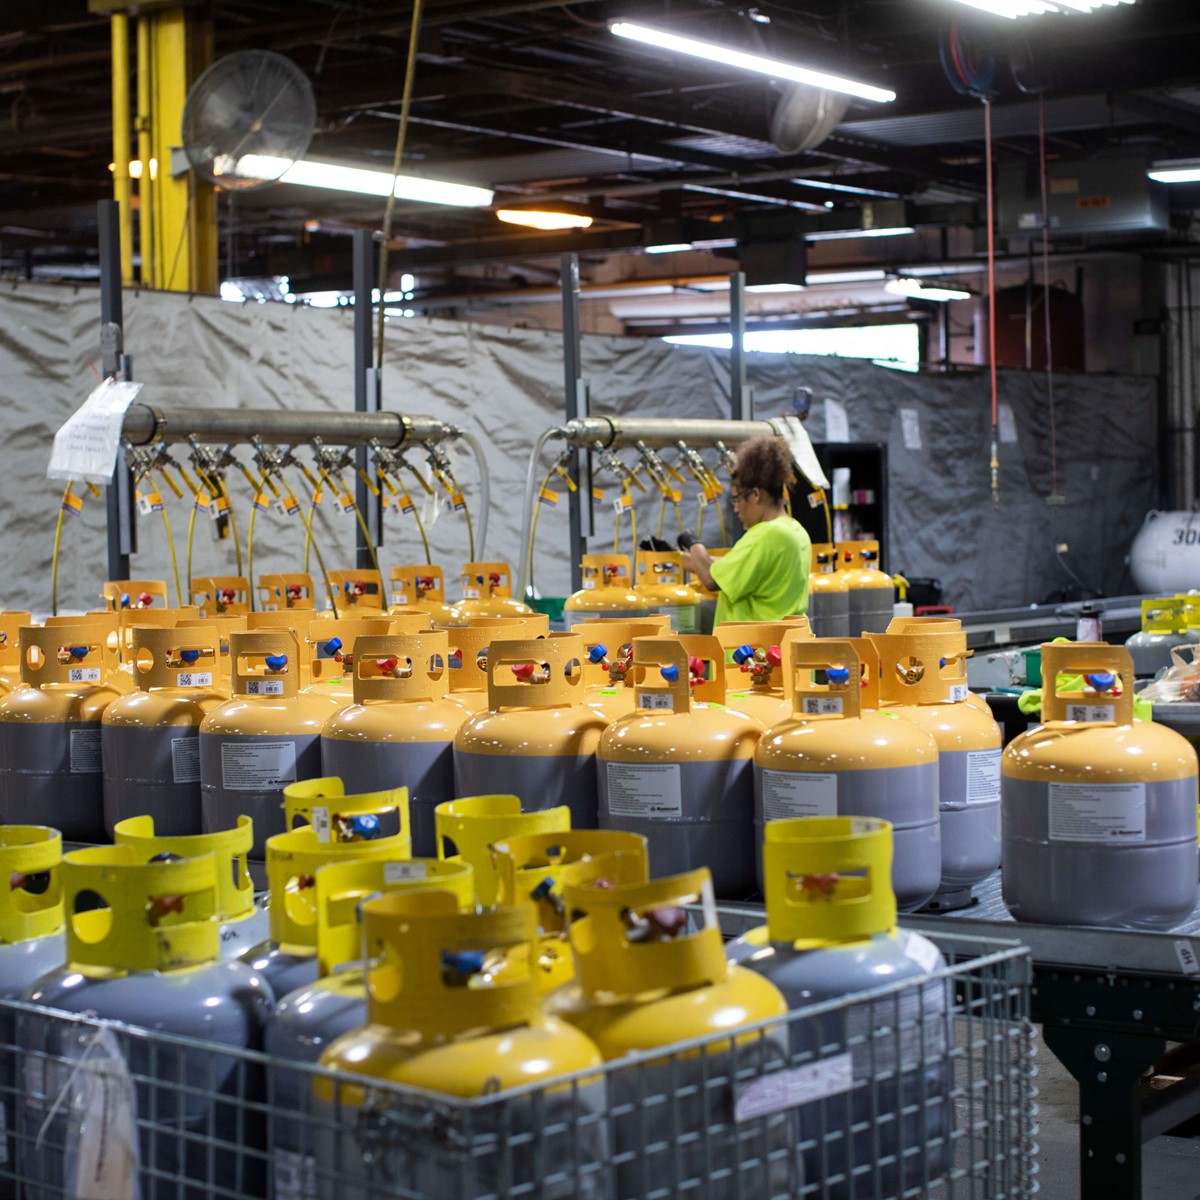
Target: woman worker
<point>764,577</point>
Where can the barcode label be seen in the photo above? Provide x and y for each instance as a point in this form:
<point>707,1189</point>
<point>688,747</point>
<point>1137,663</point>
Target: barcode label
<point>470,593</point>
<point>661,701</point>
<point>1091,712</point>
<point>83,675</point>
<point>822,705</point>
<point>959,692</point>
<point>404,872</point>
<point>321,823</point>
<point>264,687</point>
<point>194,679</point>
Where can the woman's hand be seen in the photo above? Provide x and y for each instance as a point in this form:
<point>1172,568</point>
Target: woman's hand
<point>698,560</point>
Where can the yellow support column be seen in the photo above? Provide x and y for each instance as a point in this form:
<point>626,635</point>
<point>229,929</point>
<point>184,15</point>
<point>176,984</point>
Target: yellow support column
<point>122,191</point>
<point>146,168</point>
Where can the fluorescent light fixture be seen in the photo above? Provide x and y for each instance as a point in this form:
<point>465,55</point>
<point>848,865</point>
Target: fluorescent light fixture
<point>817,278</point>
<point>1180,171</point>
<point>765,288</point>
<point>914,289</point>
<point>827,185</point>
<point>135,168</point>
<point>668,248</point>
<point>727,56</point>
<point>363,182</point>
<point>832,235</point>
<point>539,219</point>
<point>1036,8</point>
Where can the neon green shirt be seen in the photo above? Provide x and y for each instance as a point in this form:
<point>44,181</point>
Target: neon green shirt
<point>765,576</point>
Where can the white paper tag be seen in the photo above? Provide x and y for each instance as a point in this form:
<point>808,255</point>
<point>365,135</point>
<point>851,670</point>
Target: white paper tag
<point>799,794</point>
<point>821,706</point>
<point>910,428</point>
<point>400,598</point>
<point>959,692</point>
<point>322,826</point>
<point>837,423</point>
<point>656,701</point>
<point>589,585</point>
<point>185,759</point>
<point>923,952</point>
<point>257,766</point>
<point>983,776</point>
<point>196,679</point>
<point>83,675</point>
<point>1007,422</point>
<point>1188,962</point>
<point>85,447</point>
<point>86,756</point>
<point>648,790</point>
<point>470,593</point>
<point>264,687</point>
<point>794,1086</point>
<point>404,872</point>
<point>1111,813</point>
<point>106,1165</point>
<point>295,1176</point>
<point>1091,712</point>
<point>803,452</point>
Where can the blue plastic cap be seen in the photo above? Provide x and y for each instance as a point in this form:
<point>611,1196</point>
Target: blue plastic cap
<point>462,962</point>
<point>346,587</point>
<point>124,599</point>
<point>333,645</point>
<point>941,662</point>
<point>543,889</point>
<point>838,674</point>
<point>366,826</point>
<point>276,662</point>
<point>743,654</point>
<point>79,652</point>
<point>597,652</point>
<point>1102,681</point>
<point>670,674</point>
<point>189,656</point>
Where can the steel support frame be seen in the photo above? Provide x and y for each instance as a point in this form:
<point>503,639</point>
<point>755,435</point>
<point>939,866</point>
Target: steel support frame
<point>580,503</point>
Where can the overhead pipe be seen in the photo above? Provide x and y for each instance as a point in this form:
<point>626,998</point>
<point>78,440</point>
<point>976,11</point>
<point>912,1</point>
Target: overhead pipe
<point>659,433</point>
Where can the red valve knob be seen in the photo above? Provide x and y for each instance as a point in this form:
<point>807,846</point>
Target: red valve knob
<point>697,667</point>
<point>494,579</point>
<point>523,670</point>
<point>621,667</point>
<point>774,657</point>
<point>819,885</point>
<point>145,599</point>
<point>386,665</point>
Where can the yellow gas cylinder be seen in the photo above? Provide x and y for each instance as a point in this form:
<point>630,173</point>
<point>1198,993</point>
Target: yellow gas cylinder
<point>679,768</point>
<point>646,980</point>
<point>435,1022</point>
<point>608,657</point>
<point>243,921</point>
<point>305,1022</point>
<point>119,594</point>
<point>278,593</point>
<point>828,593</point>
<point>359,592</point>
<point>707,612</point>
<point>400,727</point>
<point>924,681</point>
<point>831,932</point>
<point>1191,615</point>
<point>51,765</point>
<point>955,643</point>
<point>607,592</point>
<point>871,592</point>
<point>150,739</point>
<point>538,737</point>
<point>329,646</point>
<point>265,736</point>
<point>659,574</point>
<point>468,656</point>
<point>288,958</point>
<point>1098,811</point>
<point>536,867</point>
<point>487,592</point>
<point>424,588</point>
<point>754,676</point>
<point>837,755</point>
<point>221,595</point>
<point>1164,627</point>
<point>10,648</point>
<point>467,829</point>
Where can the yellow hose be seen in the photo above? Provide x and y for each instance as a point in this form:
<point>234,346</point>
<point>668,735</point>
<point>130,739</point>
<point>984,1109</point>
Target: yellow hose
<point>537,508</point>
<point>174,560</point>
<point>250,548</point>
<point>362,524</point>
<point>470,530</point>
<point>62,512</point>
<point>662,512</point>
<point>310,539</point>
<point>191,535</point>
<point>721,522</point>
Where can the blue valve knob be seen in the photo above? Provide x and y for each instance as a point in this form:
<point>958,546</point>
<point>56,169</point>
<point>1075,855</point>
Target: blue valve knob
<point>462,962</point>
<point>941,662</point>
<point>543,889</point>
<point>1102,681</point>
<point>333,646</point>
<point>276,662</point>
<point>838,674</point>
<point>597,653</point>
<point>79,651</point>
<point>124,599</point>
<point>670,674</point>
<point>743,653</point>
<point>189,656</point>
<point>365,827</point>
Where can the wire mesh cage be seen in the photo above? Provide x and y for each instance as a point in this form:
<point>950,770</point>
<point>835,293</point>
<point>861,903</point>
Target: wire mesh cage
<point>916,1089</point>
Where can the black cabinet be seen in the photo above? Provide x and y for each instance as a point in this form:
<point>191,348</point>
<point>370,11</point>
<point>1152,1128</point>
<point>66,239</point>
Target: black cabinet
<point>857,497</point>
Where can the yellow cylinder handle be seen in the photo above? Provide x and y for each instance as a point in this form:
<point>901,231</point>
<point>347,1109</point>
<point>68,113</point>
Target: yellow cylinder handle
<point>1107,692</point>
<point>276,593</point>
<point>176,658</point>
<point>335,817</point>
<point>28,852</point>
<point>73,655</point>
<point>487,579</point>
<point>409,666</point>
<point>536,672</point>
<point>264,663</point>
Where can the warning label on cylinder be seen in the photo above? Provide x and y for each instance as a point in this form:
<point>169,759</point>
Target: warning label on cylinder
<point>983,776</point>
<point>185,759</point>
<point>1098,812</point>
<point>799,794</point>
<point>85,751</point>
<point>256,766</point>
<point>648,790</point>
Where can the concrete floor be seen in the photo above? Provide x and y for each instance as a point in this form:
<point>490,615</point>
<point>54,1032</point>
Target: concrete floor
<point>1171,1166</point>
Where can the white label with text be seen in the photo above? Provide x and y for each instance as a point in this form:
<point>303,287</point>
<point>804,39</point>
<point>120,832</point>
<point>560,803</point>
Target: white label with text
<point>86,756</point>
<point>983,776</point>
<point>1108,813</point>
<point>257,766</point>
<point>799,794</point>
<point>648,790</point>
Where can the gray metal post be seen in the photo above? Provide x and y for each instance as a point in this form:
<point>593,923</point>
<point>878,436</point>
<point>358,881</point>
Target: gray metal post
<point>741,397</point>
<point>122,517</point>
<point>366,395</point>
<point>579,503</point>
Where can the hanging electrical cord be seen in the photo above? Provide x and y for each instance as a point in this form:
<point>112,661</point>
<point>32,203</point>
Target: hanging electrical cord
<point>991,252</point>
<point>62,512</point>
<point>1046,297</point>
<point>410,71</point>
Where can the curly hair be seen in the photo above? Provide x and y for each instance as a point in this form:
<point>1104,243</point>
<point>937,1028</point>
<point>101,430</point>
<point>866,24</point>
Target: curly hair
<point>764,462</point>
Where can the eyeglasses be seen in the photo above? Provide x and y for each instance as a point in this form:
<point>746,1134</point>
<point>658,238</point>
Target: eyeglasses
<point>734,497</point>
